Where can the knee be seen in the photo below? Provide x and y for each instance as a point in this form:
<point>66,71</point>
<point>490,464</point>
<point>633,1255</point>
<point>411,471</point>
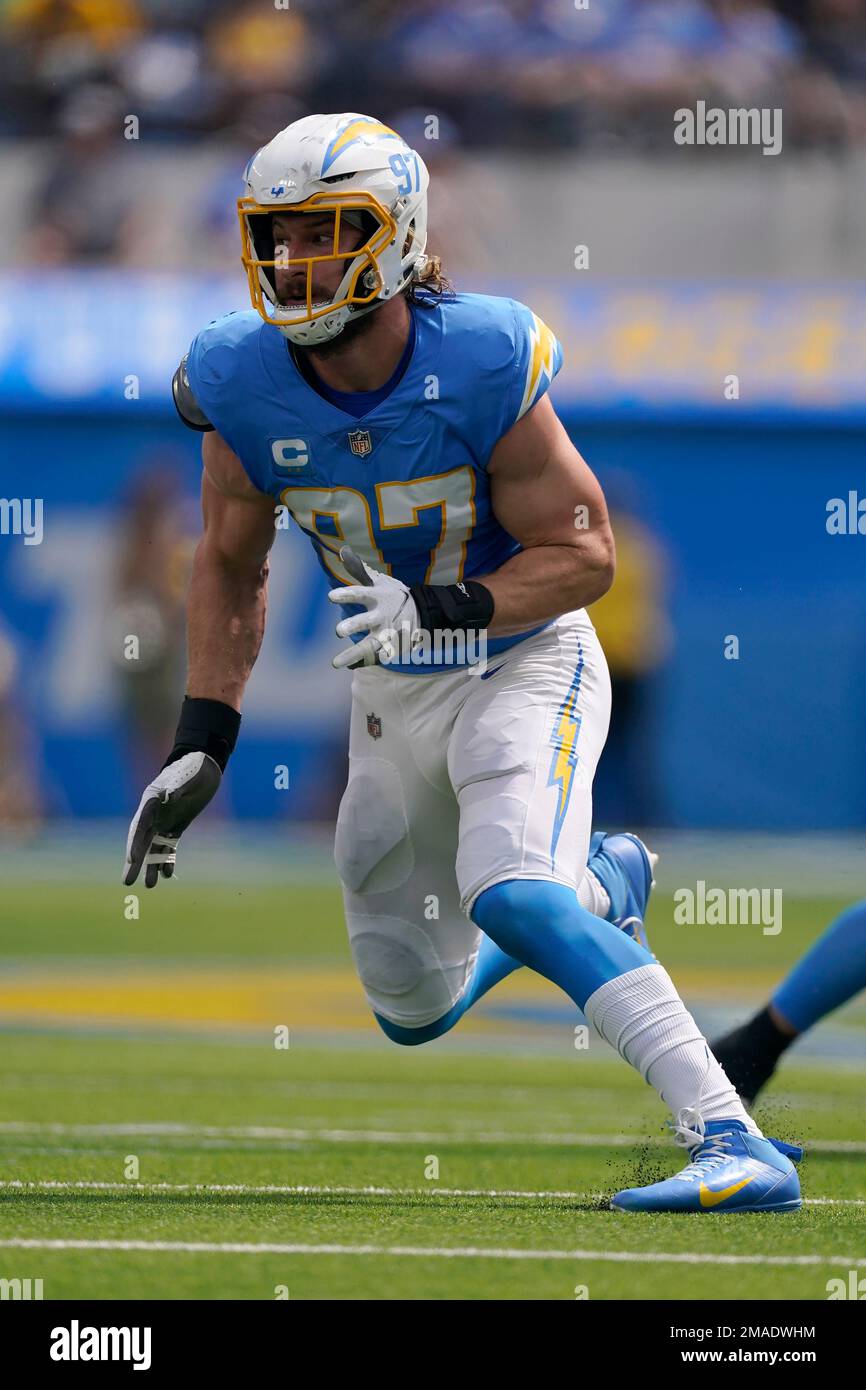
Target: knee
<point>516,896</point>
<point>406,1037</point>
<point>521,913</point>
<point>412,1037</point>
<point>413,995</point>
<point>524,902</point>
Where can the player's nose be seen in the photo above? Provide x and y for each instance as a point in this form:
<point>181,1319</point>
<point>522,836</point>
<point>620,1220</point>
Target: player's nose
<point>291,280</point>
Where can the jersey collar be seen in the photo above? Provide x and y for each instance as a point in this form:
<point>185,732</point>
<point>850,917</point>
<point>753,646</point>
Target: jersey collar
<point>408,389</point>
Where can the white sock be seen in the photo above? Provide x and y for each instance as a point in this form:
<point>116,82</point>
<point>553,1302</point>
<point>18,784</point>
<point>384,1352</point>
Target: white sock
<point>592,895</point>
<point>643,1017</point>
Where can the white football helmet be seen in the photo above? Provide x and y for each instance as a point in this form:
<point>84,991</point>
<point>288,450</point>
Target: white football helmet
<point>366,174</point>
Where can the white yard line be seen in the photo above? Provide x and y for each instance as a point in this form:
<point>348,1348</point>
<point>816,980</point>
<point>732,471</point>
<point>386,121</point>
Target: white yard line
<point>378,1136</point>
<point>316,1190</point>
<point>428,1252</point>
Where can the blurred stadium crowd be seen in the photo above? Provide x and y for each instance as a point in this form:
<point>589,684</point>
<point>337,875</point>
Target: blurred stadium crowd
<point>506,73</point>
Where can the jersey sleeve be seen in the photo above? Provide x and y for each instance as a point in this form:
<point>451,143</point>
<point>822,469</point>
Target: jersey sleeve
<point>537,359</point>
<point>211,366</point>
<point>518,357</point>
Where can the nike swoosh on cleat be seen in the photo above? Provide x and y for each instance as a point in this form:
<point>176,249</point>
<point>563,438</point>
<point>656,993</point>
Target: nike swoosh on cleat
<point>710,1198</point>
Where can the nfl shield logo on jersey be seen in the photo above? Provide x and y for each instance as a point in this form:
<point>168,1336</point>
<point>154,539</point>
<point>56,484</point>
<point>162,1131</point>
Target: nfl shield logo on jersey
<point>360,442</point>
<point>374,726</point>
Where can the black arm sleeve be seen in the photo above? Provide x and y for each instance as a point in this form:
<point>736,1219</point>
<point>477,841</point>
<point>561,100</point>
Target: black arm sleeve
<point>185,402</point>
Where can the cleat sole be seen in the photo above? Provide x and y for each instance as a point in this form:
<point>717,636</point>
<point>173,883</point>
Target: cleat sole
<point>793,1205</point>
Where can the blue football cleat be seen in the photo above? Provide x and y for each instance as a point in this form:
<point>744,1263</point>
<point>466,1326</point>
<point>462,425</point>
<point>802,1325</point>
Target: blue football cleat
<point>624,866</point>
<point>729,1170</point>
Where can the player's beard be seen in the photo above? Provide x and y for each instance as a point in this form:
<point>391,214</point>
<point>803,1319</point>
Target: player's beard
<point>354,329</point>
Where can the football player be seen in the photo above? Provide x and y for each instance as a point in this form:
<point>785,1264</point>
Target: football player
<point>828,975</point>
<point>408,431</point>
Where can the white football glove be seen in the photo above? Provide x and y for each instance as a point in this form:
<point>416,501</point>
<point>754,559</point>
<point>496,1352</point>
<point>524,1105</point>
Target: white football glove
<point>391,614</point>
<point>171,801</point>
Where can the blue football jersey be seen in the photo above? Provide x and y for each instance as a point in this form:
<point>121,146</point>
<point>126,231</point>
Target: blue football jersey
<point>404,485</point>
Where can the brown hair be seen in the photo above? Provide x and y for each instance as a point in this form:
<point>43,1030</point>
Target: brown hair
<point>432,283</point>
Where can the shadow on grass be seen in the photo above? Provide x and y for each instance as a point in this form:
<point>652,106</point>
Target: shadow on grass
<point>360,1201</point>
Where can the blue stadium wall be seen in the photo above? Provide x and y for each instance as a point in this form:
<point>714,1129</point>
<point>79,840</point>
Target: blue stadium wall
<point>736,496</point>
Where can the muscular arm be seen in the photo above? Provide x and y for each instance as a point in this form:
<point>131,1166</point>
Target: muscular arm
<point>228,591</point>
<point>537,480</point>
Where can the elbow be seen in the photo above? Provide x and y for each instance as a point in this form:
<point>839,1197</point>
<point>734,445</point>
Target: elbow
<point>599,569</point>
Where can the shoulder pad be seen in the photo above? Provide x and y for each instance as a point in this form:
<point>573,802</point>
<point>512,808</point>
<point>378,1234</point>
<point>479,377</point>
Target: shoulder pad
<point>185,402</point>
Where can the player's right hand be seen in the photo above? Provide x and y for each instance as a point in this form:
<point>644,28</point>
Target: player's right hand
<point>170,802</point>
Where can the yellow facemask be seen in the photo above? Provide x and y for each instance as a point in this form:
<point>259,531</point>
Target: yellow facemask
<point>255,239</point>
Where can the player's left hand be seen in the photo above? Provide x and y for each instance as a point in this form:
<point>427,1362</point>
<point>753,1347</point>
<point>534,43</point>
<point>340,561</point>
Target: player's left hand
<point>390,611</point>
<point>169,804</point>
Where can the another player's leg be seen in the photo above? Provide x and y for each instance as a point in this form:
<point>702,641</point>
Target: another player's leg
<point>830,973</point>
<point>522,819</point>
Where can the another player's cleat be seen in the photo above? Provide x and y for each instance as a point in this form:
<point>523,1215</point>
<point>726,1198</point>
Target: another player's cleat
<point>748,1055</point>
<point>729,1170</point>
<point>625,868</point>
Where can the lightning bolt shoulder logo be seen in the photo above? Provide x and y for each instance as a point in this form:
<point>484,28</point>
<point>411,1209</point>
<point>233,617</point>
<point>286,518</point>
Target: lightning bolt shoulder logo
<point>543,347</point>
<point>564,761</point>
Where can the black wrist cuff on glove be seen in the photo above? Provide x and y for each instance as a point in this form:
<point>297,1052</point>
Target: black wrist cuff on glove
<point>453,607</point>
<point>205,726</point>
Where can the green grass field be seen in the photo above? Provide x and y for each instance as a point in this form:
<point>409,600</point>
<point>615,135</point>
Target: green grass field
<point>154,1143</point>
